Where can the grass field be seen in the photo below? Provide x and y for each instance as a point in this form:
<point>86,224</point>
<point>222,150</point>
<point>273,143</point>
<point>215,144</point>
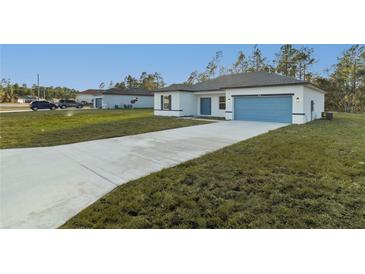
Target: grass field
<point>47,128</point>
<point>300,176</point>
<point>7,107</point>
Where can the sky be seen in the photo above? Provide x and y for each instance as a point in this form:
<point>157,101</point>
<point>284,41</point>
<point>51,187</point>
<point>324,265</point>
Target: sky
<point>86,66</point>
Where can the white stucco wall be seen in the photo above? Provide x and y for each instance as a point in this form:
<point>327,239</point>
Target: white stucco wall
<point>297,118</point>
<point>318,98</point>
<point>182,104</point>
<point>188,104</point>
<point>215,111</point>
<point>143,101</point>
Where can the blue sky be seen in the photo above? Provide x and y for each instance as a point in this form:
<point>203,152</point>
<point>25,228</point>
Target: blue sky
<point>86,66</point>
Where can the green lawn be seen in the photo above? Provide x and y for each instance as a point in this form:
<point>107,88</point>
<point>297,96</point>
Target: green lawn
<point>47,128</point>
<point>300,176</point>
<point>2,109</point>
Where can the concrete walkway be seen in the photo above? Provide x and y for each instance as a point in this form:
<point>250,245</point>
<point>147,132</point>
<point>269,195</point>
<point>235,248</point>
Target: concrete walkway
<point>44,187</point>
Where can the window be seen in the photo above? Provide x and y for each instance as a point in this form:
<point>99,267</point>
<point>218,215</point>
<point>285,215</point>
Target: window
<point>166,102</point>
<point>222,102</point>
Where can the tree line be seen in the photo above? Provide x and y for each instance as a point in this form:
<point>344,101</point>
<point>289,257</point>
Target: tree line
<point>149,81</point>
<point>9,92</point>
<point>344,82</point>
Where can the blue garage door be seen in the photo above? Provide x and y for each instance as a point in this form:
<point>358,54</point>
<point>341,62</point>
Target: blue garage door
<point>263,108</point>
<point>205,106</point>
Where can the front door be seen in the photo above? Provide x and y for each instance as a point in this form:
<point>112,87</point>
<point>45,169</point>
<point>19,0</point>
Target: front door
<point>98,102</point>
<point>205,106</point>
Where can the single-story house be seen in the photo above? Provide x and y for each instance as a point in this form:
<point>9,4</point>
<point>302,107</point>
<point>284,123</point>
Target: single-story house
<point>117,98</point>
<point>26,99</point>
<point>122,98</point>
<point>89,95</point>
<point>254,96</point>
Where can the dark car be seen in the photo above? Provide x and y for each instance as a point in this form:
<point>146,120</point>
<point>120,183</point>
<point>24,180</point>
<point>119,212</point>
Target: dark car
<point>35,105</point>
<point>69,103</point>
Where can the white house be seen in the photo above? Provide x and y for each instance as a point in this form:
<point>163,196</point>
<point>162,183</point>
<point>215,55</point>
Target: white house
<point>124,98</point>
<point>117,98</point>
<point>254,96</point>
<point>89,95</point>
<point>26,99</point>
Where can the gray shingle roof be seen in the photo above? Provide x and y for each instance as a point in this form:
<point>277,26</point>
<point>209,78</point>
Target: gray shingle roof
<point>92,91</point>
<point>176,87</point>
<point>131,91</point>
<point>241,80</point>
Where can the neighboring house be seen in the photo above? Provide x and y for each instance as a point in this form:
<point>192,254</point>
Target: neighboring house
<point>255,96</point>
<point>124,98</point>
<point>89,95</point>
<point>27,99</point>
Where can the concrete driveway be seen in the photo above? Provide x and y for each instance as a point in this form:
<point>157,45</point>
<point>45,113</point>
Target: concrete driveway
<point>44,187</point>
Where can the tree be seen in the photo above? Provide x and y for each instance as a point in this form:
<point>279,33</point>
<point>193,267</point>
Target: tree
<point>150,81</point>
<point>211,70</point>
<point>131,82</point>
<point>294,62</point>
<point>257,62</point>
<point>213,65</point>
<point>304,60</point>
<point>120,85</point>
<point>241,64</point>
<point>147,81</point>
<point>159,82</point>
<point>346,85</point>
<point>10,92</point>
<point>7,91</point>
<point>193,78</point>
<point>285,61</point>
<point>350,70</point>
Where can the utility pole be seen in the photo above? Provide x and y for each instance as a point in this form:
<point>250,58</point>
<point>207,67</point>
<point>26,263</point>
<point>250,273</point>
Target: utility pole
<point>38,85</point>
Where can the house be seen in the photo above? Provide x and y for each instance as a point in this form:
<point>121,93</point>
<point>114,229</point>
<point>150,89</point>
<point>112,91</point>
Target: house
<point>117,98</point>
<point>89,96</point>
<point>125,98</point>
<point>254,96</point>
<point>27,99</point>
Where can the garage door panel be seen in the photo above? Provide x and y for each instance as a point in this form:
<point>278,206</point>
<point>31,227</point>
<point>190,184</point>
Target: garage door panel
<point>262,108</point>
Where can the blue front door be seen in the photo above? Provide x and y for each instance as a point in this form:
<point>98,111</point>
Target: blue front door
<point>263,108</point>
<point>205,106</point>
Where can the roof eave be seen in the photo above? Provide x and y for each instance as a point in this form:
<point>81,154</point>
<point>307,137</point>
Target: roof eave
<point>127,94</point>
<point>269,85</point>
<point>316,88</point>
<point>170,90</point>
<point>250,86</point>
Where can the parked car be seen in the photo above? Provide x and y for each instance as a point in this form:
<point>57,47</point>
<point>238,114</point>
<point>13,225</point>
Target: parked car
<point>35,105</point>
<point>69,103</point>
